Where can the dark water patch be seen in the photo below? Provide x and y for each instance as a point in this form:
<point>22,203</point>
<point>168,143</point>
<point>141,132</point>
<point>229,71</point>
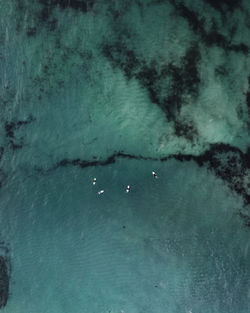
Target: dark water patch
<point>118,11</point>
<point>173,102</point>
<point>7,94</point>
<point>121,154</point>
<point>5,270</point>
<point>44,17</point>
<point>224,5</point>
<point>15,146</point>
<point>211,37</point>
<point>31,31</point>
<point>3,177</point>
<point>80,5</point>
<point>189,70</point>
<point>15,143</point>
<point>53,75</point>
<point>1,152</point>
<point>184,82</point>
<point>25,122</point>
<point>248,97</point>
<point>120,56</point>
<point>52,24</point>
<point>4,282</point>
<point>148,75</point>
<point>153,80</point>
<point>11,127</point>
<point>185,129</point>
<point>220,71</point>
<point>167,85</point>
<point>195,23</point>
<point>228,163</point>
<point>45,14</point>
<point>214,38</point>
<point>243,48</point>
<point>110,160</point>
<point>245,218</point>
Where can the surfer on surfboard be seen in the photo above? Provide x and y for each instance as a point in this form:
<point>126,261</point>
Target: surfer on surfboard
<point>154,174</point>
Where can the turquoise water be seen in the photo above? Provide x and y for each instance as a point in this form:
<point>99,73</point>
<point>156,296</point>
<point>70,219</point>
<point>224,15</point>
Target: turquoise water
<point>115,90</point>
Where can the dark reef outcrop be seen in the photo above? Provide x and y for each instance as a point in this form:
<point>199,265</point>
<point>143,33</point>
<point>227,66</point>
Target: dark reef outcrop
<point>227,162</point>
<point>4,283</point>
<point>211,37</point>
<point>224,5</point>
<point>167,85</point>
<point>5,270</point>
<point>81,5</point>
<point>10,128</point>
<point>172,84</point>
<point>248,97</point>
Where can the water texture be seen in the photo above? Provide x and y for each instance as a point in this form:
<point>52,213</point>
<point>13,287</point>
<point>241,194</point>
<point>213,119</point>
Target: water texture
<point>115,90</point>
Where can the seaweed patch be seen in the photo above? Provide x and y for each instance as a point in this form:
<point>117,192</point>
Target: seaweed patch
<point>245,218</point>
<point>1,152</point>
<point>110,160</point>
<point>220,71</point>
<point>248,97</point>
<point>185,129</point>
<point>211,37</point>
<point>5,270</point>
<point>119,56</point>
<point>11,127</point>
<point>81,5</point>
<point>224,5</point>
<point>227,162</point>
<point>168,85</point>
<point>31,31</point>
<point>3,176</point>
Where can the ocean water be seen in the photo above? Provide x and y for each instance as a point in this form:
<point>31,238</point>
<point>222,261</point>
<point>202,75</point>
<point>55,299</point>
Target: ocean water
<point>116,90</point>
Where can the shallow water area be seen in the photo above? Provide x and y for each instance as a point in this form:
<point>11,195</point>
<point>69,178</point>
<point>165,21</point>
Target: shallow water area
<point>116,90</point>
<point>160,247</point>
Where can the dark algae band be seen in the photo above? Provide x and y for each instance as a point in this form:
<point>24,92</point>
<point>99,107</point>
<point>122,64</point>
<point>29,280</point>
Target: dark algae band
<point>184,80</point>
<point>82,5</point>
<point>4,275</point>
<point>227,162</point>
<point>4,283</point>
<point>210,37</point>
<point>11,127</point>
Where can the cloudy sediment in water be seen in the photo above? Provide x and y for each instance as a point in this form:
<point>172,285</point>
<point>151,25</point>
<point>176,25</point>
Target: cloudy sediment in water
<point>114,90</point>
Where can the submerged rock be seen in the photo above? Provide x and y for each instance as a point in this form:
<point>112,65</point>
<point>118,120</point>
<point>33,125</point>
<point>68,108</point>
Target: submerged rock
<point>4,282</point>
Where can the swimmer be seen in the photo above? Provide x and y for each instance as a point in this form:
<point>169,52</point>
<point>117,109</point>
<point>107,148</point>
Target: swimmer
<point>154,174</point>
<point>128,189</point>
<point>100,192</point>
<point>94,181</point>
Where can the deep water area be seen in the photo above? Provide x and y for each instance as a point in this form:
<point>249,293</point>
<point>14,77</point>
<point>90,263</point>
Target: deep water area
<point>114,90</point>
